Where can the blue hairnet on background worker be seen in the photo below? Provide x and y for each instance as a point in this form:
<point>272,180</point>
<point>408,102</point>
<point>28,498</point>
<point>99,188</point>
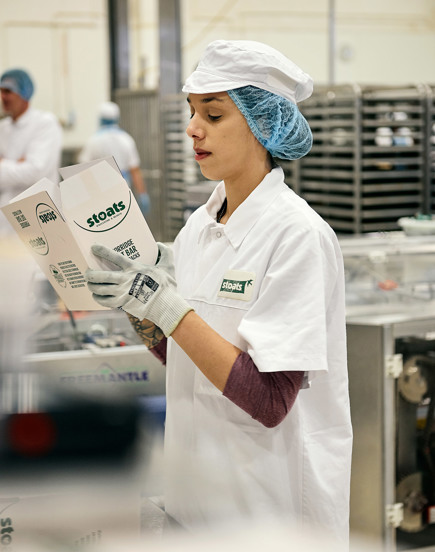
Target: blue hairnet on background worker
<point>250,318</point>
<point>30,140</point>
<point>111,140</point>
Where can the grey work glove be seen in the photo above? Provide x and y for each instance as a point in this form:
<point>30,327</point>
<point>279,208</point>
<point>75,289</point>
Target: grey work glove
<point>141,290</point>
<point>165,259</point>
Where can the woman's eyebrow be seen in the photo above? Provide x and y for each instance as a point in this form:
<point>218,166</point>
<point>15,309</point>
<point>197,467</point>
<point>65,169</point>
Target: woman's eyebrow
<point>213,98</point>
<point>207,100</point>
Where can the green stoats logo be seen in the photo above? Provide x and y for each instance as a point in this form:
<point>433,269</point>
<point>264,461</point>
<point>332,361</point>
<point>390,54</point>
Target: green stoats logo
<point>45,215</point>
<point>96,218</point>
<point>108,218</point>
<point>235,286</point>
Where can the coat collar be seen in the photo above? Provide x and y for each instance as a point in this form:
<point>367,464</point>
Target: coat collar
<point>247,213</point>
<point>22,119</point>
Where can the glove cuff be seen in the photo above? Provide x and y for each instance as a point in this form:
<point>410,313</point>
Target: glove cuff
<point>175,310</point>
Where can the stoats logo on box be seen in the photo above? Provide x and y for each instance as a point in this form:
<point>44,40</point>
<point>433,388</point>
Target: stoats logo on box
<point>108,218</point>
<point>6,530</point>
<point>45,214</point>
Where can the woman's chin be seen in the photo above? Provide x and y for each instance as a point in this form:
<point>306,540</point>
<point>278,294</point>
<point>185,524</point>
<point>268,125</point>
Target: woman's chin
<point>209,175</point>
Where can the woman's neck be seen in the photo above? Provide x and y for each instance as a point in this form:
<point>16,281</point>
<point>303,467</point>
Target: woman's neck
<point>238,190</point>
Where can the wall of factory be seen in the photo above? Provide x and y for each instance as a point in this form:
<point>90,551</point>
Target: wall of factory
<point>65,46</point>
<point>377,41</point>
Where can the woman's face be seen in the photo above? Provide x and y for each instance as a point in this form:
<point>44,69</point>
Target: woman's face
<point>222,140</point>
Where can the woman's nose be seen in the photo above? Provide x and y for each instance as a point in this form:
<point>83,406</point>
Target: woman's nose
<point>194,130</point>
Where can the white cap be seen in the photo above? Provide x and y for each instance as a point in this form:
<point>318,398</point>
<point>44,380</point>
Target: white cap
<point>109,110</point>
<point>229,64</point>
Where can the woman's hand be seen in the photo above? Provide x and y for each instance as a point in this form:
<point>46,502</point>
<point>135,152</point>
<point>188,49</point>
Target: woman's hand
<point>146,292</point>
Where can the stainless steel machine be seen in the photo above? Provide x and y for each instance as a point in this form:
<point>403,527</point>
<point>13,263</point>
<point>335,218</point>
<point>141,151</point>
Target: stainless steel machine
<point>390,284</point>
<point>95,350</point>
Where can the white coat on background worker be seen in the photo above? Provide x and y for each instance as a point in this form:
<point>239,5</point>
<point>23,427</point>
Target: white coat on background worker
<point>30,139</point>
<point>252,323</point>
<point>111,140</point>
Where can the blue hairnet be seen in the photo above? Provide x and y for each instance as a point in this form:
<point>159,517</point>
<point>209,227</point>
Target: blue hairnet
<point>275,121</point>
<point>109,113</point>
<point>19,82</point>
<point>107,122</point>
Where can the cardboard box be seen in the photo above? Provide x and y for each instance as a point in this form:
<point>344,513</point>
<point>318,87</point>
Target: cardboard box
<point>70,519</point>
<point>58,225</point>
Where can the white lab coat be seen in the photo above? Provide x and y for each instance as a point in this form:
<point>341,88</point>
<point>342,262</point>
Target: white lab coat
<point>110,140</point>
<point>36,137</point>
<point>222,464</point>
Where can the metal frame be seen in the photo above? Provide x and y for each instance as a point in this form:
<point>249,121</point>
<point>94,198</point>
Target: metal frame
<point>355,184</point>
<point>430,165</point>
<point>180,168</point>
<point>119,44</point>
<point>140,117</point>
<point>170,47</point>
<point>371,344</point>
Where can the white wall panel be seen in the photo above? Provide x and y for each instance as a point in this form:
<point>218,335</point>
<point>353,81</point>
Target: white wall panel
<point>64,43</point>
<point>377,41</point>
<point>64,46</point>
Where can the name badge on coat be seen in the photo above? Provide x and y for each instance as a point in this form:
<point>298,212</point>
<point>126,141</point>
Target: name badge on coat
<point>237,284</point>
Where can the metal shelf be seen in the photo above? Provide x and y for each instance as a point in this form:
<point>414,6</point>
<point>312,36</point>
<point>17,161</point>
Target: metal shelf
<point>349,166</point>
<point>179,166</point>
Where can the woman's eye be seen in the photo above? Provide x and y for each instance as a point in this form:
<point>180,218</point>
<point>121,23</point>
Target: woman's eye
<point>191,115</point>
<point>214,117</point>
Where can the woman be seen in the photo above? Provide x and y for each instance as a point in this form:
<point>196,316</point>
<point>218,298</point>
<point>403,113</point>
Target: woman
<point>258,422</point>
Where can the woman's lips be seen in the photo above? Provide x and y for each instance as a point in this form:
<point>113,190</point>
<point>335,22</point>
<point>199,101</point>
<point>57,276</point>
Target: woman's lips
<point>201,154</point>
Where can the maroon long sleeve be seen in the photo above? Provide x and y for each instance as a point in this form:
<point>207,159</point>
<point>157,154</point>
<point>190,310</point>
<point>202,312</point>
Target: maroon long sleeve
<point>159,351</point>
<point>266,396</point>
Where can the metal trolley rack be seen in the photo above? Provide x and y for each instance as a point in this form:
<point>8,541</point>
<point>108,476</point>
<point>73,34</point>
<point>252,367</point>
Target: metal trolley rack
<point>431,145</point>
<point>367,166</point>
<point>140,116</point>
<point>180,168</point>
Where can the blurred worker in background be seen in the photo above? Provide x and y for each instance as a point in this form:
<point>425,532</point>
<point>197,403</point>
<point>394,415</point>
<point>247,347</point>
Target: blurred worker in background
<point>250,317</point>
<point>111,140</point>
<point>30,140</point>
